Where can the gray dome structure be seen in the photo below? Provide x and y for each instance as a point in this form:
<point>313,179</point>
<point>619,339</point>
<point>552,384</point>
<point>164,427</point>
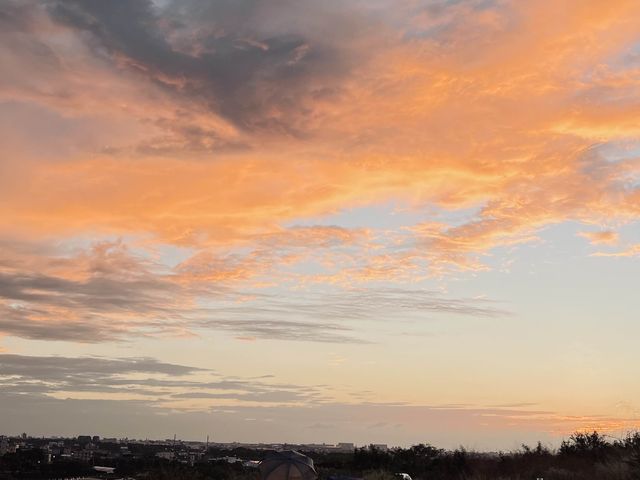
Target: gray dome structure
<point>287,465</point>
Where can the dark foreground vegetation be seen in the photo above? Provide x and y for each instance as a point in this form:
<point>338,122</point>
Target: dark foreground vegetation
<point>582,456</point>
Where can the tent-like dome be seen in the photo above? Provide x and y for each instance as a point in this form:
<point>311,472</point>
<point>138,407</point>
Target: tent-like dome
<point>287,465</point>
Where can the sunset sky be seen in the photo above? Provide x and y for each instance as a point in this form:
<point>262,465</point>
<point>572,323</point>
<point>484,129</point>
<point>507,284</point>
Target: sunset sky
<point>389,221</point>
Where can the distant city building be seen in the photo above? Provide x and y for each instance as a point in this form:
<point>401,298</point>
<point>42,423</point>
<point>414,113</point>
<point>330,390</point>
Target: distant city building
<point>165,455</point>
<point>227,459</point>
<point>4,445</point>
<point>83,455</point>
<point>346,447</point>
<point>47,457</point>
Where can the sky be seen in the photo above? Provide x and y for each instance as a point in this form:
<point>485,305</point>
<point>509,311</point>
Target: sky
<point>387,221</point>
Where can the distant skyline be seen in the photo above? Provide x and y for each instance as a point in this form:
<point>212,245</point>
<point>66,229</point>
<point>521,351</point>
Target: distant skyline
<point>296,221</point>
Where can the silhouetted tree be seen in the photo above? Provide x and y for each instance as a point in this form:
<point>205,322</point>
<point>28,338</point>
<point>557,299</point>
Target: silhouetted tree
<point>591,446</point>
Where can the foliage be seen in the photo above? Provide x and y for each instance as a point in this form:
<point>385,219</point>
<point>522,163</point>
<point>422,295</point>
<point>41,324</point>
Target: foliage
<point>583,456</point>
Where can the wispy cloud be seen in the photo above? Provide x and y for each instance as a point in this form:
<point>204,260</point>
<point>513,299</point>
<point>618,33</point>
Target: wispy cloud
<point>160,384</point>
<point>109,292</point>
<point>96,295</point>
<point>629,251</point>
<point>602,237</point>
<point>136,396</point>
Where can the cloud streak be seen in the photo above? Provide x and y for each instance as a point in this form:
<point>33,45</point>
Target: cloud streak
<point>111,293</point>
<point>159,384</point>
<point>51,389</point>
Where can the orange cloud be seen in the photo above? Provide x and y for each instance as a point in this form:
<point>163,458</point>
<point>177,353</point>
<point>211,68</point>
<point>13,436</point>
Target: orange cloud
<point>631,251</point>
<point>603,237</point>
<point>499,108</point>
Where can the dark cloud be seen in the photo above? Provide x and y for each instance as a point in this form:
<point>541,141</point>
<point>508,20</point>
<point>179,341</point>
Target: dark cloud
<point>237,58</point>
<point>21,374</point>
<point>36,323</point>
<point>37,375</point>
<point>15,16</point>
<point>31,374</point>
<point>250,323</point>
<point>103,294</point>
<point>55,368</point>
<point>100,293</point>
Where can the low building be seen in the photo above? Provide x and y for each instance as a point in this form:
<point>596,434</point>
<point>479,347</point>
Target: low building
<point>165,455</point>
<point>345,447</point>
<point>83,455</point>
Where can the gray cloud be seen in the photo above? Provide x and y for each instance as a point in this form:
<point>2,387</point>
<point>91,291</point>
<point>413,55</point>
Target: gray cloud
<point>104,309</point>
<point>333,317</point>
<point>384,302</point>
<point>35,323</point>
<point>107,293</point>
<point>258,322</point>
<point>262,397</point>
<point>239,58</point>
<point>38,375</point>
<point>56,368</point>
<point>99,295</point>
<point>31,374</point>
